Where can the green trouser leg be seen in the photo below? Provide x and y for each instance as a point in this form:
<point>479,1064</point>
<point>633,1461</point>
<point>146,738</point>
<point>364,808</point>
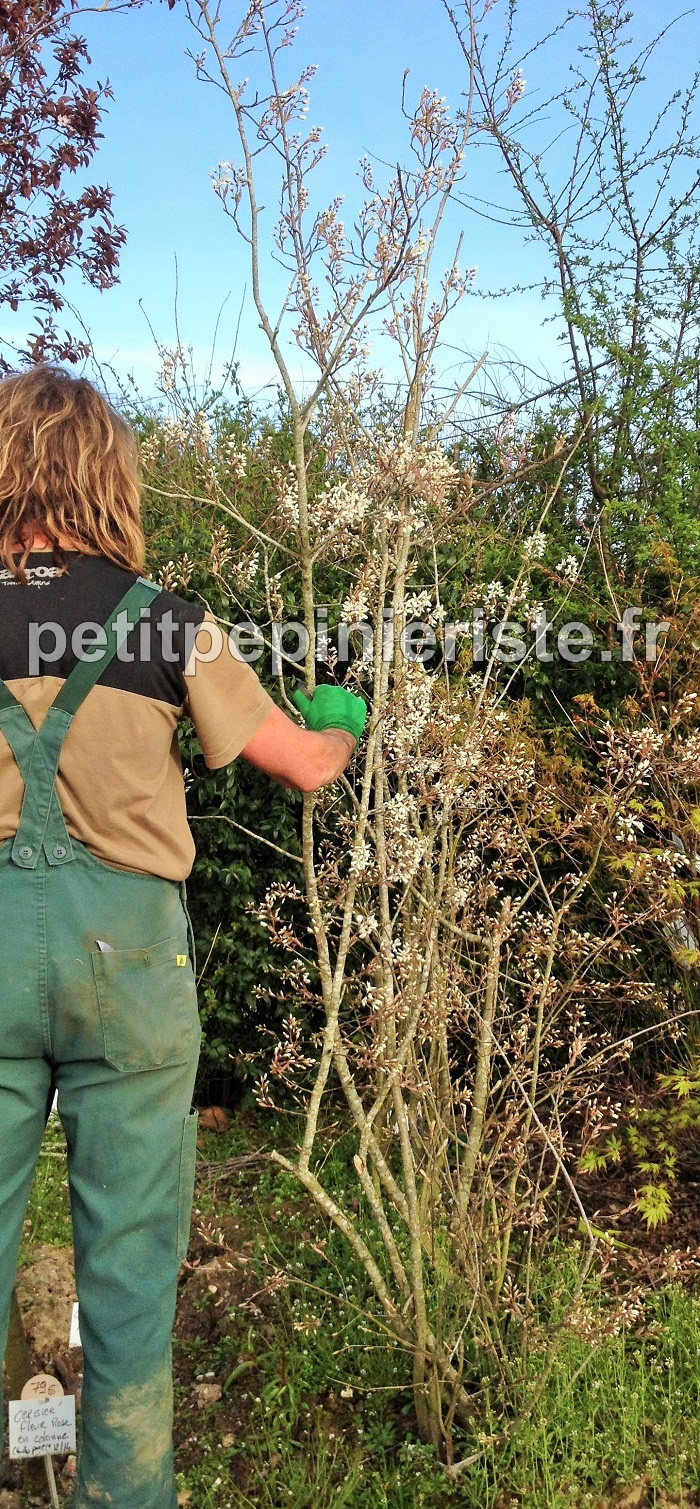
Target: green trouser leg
<point>117,1033</point>
<point>125,1193</point>
<point>24,1087</point>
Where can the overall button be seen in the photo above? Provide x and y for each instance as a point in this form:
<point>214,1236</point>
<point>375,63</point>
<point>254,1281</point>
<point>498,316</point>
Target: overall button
<point>25,852</point>
<point>60,852</point>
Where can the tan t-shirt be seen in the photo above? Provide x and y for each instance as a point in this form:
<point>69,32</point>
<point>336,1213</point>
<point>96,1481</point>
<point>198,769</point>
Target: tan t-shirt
<point>120,781</point>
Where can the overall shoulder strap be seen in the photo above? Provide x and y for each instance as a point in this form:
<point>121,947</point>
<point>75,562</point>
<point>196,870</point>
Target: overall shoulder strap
<point>87,672</point>
<point>7,700</point>
<point>119,625</point>
<point>42,824</point>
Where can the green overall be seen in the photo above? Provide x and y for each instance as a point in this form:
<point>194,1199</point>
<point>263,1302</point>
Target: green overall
<point>116,1033</point>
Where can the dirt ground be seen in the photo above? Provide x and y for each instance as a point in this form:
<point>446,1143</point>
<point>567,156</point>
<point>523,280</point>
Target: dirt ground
<point>672,1250</point>
<point>46,1293</point>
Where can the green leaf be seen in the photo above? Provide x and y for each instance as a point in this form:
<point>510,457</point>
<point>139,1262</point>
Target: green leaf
<point>654,1204</point>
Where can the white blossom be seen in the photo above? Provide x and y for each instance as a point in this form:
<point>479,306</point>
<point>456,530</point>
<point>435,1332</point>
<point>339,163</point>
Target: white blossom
<point>360,857</point>
<point>534,546</point>
<point>569,567</point>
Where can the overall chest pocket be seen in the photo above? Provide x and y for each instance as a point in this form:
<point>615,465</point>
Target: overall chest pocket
<point>147,999</point>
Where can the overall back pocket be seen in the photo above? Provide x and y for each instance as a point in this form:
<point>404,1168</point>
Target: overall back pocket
<point>147,999</point>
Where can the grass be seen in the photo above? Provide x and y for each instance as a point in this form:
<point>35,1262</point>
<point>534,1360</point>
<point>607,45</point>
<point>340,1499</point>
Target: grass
<point>48,1212</point>
<point>634,1412</point>
<point>316,1411</point>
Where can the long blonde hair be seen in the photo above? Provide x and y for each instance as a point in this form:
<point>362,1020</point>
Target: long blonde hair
<point>68,469</point>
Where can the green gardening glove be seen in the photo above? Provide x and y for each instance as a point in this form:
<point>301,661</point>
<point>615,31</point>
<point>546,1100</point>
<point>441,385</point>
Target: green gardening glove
<point>332,707</point>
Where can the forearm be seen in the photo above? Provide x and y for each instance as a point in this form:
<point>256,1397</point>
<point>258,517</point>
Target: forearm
<point>299,758</point>
<point>323,760</point>
<point>336,748</point>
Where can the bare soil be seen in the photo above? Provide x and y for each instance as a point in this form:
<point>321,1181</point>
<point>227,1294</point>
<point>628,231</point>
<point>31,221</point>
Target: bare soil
<point>671,1250</point>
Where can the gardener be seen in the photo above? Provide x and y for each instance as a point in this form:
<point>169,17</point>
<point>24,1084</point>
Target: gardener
<point>98,988</point>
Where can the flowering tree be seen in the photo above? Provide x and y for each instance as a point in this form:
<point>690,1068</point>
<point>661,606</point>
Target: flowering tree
<point>616,215</point>
<point>49,119</point>
<point>467,910</point>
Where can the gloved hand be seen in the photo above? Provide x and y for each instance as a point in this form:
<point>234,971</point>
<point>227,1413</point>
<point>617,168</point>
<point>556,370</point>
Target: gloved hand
<point>332,707</point>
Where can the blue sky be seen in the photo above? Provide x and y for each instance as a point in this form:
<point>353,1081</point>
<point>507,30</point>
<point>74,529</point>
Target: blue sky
<point>165,131</point>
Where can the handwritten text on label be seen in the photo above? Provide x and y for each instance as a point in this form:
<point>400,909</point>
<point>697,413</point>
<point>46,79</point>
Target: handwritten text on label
<point>41,1426</point>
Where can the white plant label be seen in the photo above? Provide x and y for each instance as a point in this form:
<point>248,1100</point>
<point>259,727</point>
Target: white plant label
<point>41,1426</point>
<point>74,1338</point>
